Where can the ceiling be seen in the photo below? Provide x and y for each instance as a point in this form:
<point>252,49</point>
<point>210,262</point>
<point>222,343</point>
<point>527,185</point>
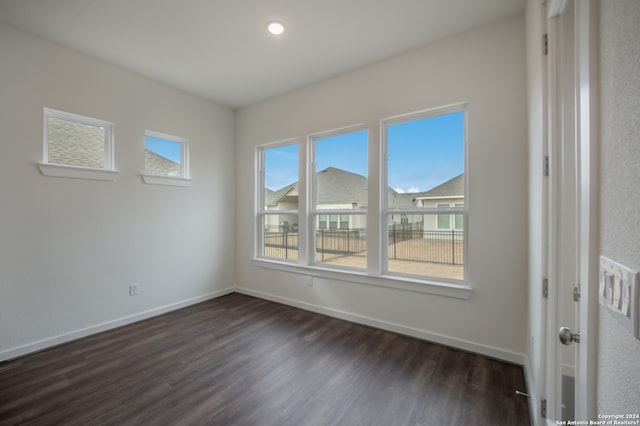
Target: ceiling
<point>220,49</point>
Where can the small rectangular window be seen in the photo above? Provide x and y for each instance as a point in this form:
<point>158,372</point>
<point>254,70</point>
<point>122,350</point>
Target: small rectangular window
<point>459,218</point>
<point>333,221</point>
<point>344,221</point>
<point>165,155</point>
<point>444,221</point>
<point>77,141</point>
<point>322,221</point>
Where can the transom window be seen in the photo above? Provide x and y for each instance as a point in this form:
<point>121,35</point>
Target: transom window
<point>77,141</point>
<point>165,155</point>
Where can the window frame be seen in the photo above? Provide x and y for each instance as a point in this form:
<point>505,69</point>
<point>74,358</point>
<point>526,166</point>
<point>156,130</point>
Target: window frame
<point>107,172</point>
<point>386,212</point>
<point>375,216</point>
<point>184,180</point>
<point>261,212</point>
<point>311,211</point>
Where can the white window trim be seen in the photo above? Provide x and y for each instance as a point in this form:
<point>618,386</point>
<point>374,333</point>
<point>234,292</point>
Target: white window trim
<point>260,211</point>
<point>165,180</point>
<point>107,173</point>
<point>184,179</point>
<point>311,210</point>
<point>374,274</point>
<point>385,211</point>
<point>408,283</point>
<point>58,170</point>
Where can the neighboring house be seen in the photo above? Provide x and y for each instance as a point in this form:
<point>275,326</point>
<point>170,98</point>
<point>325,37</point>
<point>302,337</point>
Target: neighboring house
<point>336,189</point>
<point>74,144</point>
<point>286,198</point>
<point>448,194</point>
<point>158,165</point>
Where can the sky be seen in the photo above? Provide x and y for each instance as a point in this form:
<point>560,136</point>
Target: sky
<point>422,154</point>
<point>164,148</point>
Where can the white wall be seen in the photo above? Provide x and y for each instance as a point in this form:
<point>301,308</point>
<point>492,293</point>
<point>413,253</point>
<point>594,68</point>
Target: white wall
<point>619,353</point>
<point>70,248</point>
<point>486,68</point>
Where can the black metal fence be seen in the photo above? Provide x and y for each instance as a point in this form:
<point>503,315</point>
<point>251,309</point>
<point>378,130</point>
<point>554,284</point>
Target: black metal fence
<point>332,243</point>
<point>406,242</point>
<point>281,244</point>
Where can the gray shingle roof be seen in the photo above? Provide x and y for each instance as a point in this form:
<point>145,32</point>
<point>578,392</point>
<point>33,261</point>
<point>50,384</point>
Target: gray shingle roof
<point>158,165</point>
<point>74,144</point>
<point>337,186</point>
<point>273,197</point>
<point>452,188</point>
<point>77,144</point>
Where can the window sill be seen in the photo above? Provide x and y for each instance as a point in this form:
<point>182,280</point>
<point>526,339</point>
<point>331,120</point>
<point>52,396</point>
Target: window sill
<point>458,291</point>
<point>59,170</point>
<point>166,180</point>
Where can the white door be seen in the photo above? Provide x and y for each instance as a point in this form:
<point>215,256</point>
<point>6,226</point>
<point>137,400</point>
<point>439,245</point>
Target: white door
<point>570,242</point>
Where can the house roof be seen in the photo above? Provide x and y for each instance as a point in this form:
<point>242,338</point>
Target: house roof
<point>159,165</point>
<point>340,186</point>
<point>274,197</point>
<point>74,144</point>
<point>452,188</point>
<point>337,186</point>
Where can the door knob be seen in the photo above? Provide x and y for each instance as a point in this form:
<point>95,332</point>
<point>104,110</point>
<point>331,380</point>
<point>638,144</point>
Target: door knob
<point>567,336</point>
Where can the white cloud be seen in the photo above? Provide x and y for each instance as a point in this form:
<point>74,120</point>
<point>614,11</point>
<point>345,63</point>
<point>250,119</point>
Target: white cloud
<point>414,189</point>
<point>399,190</point>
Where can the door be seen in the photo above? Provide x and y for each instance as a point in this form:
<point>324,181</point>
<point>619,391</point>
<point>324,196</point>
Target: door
<point>562,213</point>
<point>569,213</point>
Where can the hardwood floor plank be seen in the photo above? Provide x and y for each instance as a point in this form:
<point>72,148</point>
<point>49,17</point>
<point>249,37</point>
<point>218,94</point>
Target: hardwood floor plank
<point>238,360</point>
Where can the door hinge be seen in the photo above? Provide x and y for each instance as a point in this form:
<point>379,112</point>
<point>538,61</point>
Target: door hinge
<point>545,288</point>
<point>545,43</point>
<point>545,166</point>
<point>543,408</point>
<point>576,294</point>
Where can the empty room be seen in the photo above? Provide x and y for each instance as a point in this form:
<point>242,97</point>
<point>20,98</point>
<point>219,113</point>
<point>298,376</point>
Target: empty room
<point>287,212</point>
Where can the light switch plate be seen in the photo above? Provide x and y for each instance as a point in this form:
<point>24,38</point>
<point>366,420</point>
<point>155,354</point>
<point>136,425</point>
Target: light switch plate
<point>619,292</point>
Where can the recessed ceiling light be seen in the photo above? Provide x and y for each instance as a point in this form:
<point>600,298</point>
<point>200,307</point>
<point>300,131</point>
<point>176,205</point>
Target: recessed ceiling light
<point>275,28</point>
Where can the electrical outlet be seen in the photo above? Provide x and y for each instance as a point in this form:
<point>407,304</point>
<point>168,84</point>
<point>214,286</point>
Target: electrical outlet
<point>134,290</point>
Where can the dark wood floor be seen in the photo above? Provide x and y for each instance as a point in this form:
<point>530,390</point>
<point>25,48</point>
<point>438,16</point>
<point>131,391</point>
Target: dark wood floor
<point>238,360</point>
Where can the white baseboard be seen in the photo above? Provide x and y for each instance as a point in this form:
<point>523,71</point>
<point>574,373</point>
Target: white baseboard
<point>501,354</point>
<point>76,334</point>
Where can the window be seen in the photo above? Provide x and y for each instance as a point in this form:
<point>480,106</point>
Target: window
<point>77,146</point>
<point>278,206</point>
<point>313,204</point>
<point>424,157</point>
<point>340,191</point>
<point>444,221</point>
<point>322,221</point>
<point>344,221</point>
<point>166,159</point>
<point>459,218</point>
